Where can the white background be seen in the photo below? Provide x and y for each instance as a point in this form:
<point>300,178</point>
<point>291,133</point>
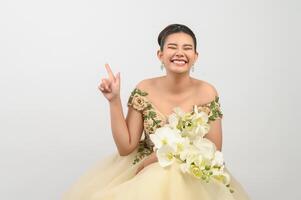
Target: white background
<point>55,124</point>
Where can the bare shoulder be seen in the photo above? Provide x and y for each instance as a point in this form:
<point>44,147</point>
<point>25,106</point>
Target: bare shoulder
<point>143,84</point>
<point>146,84</point>
<point>206,90</point>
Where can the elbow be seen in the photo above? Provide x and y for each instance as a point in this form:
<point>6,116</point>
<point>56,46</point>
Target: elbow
<point>125,151</point>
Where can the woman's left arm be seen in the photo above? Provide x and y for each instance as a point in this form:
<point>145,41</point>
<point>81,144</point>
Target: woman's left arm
<point>215,133</point>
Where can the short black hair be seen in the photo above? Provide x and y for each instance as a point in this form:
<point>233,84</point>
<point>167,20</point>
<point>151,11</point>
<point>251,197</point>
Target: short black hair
<point>175,28</point>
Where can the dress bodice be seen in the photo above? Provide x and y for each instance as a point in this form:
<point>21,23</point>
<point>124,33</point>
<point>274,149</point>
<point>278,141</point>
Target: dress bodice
<point>153,118</point>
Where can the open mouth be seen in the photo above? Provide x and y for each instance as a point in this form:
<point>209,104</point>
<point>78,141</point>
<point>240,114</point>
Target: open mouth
<point>178,61</point>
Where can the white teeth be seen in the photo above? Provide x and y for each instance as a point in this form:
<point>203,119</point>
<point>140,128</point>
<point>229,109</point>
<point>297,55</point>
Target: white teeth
<point>179,62</point>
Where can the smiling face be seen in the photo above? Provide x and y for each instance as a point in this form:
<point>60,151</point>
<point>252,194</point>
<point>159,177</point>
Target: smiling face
<point>178,53</point>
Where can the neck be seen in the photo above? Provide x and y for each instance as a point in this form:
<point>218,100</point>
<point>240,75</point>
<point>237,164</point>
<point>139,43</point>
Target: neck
<point>177,83</point>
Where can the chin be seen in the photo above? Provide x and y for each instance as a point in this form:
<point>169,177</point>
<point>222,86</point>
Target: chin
<point>178,69</point>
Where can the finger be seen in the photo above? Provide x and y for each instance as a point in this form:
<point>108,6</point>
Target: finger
<point>100,87</point>
<point>139,169</point>
<point>118,78</point>
<point>107,84</point>
<point>103,84</point>
<point>111,75</point>
<point>106,81</point>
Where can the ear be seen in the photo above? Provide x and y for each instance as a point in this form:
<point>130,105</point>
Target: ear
<point>159,55</point>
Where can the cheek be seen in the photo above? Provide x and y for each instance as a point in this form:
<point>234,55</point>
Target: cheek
<point>191,55</point>
<point>167,55</point>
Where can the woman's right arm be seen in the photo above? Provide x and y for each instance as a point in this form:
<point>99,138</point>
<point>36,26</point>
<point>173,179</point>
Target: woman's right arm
<point>126,132</point>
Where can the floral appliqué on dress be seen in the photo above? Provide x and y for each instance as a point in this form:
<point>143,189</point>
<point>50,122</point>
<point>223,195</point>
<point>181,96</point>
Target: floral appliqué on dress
<point>152,120</point>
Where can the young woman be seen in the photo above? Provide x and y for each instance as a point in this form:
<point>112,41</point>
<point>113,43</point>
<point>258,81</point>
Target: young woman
<point>134,172</point>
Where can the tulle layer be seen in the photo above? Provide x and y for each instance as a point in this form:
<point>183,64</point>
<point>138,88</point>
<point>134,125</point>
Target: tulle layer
<point>113,178</point>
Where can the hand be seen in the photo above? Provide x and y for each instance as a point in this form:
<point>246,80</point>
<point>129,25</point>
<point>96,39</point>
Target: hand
<point>149,160</point>
<point>110,87</point>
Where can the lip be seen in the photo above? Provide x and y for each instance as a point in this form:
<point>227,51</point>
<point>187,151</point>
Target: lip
<point>181,59</point>
<point>176,59</point>
<point>178,64</point>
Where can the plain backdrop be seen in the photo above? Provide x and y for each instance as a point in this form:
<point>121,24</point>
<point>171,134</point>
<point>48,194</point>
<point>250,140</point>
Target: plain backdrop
<point>55,124</point>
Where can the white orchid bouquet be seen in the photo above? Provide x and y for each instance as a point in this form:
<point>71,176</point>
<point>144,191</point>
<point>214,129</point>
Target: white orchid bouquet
<point>182,139</point>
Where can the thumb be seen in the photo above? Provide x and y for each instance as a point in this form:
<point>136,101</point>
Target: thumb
<point>118,77</point>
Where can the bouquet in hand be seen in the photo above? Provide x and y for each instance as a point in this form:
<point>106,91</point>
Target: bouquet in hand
<point>182,139</point>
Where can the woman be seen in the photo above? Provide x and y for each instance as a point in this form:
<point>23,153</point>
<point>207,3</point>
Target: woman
<point>134,173</point>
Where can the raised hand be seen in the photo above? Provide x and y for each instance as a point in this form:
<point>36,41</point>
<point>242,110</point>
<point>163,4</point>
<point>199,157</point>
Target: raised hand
<point>110,87</point>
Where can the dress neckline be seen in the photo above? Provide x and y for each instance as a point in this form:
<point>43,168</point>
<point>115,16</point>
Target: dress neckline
<point>166,116</point>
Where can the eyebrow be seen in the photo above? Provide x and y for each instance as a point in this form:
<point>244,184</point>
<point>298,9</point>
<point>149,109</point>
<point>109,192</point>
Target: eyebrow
<point>177,45</point>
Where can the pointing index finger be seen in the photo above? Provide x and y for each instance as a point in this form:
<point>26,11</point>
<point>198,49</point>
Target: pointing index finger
<point>111,75</point>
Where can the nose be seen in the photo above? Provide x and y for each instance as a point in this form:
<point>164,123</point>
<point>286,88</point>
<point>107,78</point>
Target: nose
<point>179,53</point>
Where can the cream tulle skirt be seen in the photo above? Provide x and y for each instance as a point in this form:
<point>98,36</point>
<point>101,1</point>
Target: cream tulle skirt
<point>113,178</point>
